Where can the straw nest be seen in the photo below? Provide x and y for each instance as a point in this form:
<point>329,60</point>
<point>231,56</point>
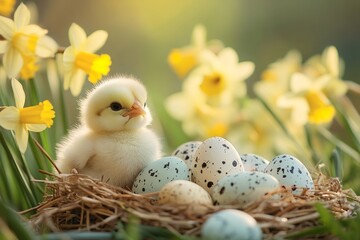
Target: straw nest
<point>79,202</point>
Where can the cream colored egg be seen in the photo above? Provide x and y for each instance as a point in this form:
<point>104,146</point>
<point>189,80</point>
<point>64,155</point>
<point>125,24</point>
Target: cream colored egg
<point>214,159</point>
<point>183,192</point>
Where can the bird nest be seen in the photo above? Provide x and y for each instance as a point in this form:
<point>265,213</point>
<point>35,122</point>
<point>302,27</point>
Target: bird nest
<point>79,202</point>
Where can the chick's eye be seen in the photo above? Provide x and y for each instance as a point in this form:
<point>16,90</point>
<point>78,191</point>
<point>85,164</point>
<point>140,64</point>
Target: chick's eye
<point>115,106</point>
<point>144,104</point>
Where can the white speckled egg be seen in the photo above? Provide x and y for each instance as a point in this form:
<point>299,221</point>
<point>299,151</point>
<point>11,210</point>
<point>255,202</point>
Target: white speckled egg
<point>158,173</point>
<point>214,159</point>
<point>290,172</point>
<point>231,224</point>
<point>243,188</point>
<point>187,151</point>
<point>183,192</point>
<point>253,162</point>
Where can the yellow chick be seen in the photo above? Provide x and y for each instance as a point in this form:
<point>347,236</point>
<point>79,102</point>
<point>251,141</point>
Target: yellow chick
<point>112,142</point>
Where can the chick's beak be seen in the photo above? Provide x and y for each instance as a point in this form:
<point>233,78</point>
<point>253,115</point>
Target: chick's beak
<point>135,110</point>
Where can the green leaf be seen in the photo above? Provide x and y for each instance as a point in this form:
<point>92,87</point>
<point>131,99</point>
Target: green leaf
<point>329,221</point>
<point>337,163</point>
<point>15,223</point>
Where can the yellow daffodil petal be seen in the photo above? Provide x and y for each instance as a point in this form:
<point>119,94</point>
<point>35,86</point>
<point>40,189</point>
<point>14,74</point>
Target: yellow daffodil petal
<point>228,56</point>
<point>95,41</point>
<point>29,68</point>
<point>21,137</point>
<point>34,29</point>
<point>6,27</point>
<point>3,46</point>
<point>180,101</point>
<point>77,80</point>
<point>36,127</point>
<point>269,75</point>
<point>213,84</point>
<point>53,77</point>
<point>46,47</point>
<point>217,130</point>
<point>321,111</point>
<point>13,62</point>
<point>19,93</point>
<point>299,82</point>
<point>9,118</point>
<point>7,7</point>
<point>42,113</point>
<point>321,82</point>
<point>21,16</point>
<point>300,110</point>
<point>77,35</point>
<point>244,70</point>
<point>199,36</point>
<point>331,60</point>
<point>182,60</point>
<point>25,43</point>
<point>208,57</point>
<point>68,58</point>
<point>94,65</point>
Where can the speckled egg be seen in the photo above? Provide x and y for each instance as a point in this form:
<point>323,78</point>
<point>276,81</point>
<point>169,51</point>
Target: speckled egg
<point>187,151</point>
<point>231,224</point>
<point>183,192</point>
<point>243,188</point>
<point>290,172</point>
<point>253,162</point>
<point>214,159</point>
<point>158,173</point>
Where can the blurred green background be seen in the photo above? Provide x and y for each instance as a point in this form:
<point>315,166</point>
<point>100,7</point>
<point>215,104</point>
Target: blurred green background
<point>141,34</point>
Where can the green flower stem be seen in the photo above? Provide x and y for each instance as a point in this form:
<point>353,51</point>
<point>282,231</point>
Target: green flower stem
<point>44,136</point>
<point>350,119</point>
<point>307,162</point>
<point>310,141</point>
<point>340,144</point>
<point>63,112</point>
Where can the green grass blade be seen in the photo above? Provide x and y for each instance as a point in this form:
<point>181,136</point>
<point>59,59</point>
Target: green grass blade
<point>308,163</point>
<point>349,121</point>
<point>15,223</point>
<point>337,163</point>
<point>21,179</point>
<point>333,225</point>
<point>340,144</point>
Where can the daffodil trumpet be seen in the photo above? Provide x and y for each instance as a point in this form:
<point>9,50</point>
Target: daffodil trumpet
<point>22,119</point>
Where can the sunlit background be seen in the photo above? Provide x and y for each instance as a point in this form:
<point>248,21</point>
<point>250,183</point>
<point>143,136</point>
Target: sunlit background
<point>255,114</point>
<point>142,33</point>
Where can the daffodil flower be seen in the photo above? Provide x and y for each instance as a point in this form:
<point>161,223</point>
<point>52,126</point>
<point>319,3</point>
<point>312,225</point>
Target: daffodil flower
<point>29,68</point>
<point>22,119</point>
<point>330,64</point>
<point>182,60</point>
<point>22,40</point>
<point>275,79</point>
<point>307,100</point>
<point>198,118</point>
<point>220,78</point>
<point>79,59</point>
<point>7,7</point>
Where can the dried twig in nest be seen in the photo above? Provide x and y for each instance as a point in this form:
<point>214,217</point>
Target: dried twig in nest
<point>75,201</point>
